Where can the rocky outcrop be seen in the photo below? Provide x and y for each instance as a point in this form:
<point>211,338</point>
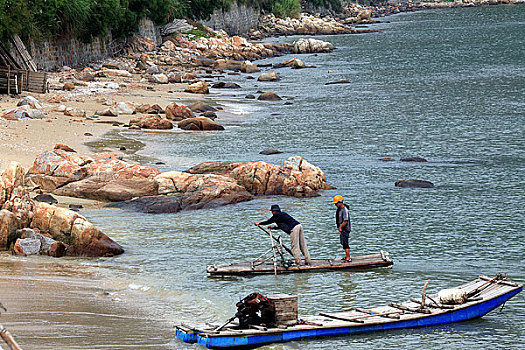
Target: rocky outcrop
<point>183,191</point>
<point>414,183</point>
<point>103,177</point>
<point>67,228</point>
<point>296,177</point>
<point>218,168</point>
<point>81,237</point>
<point>199,124</point>
<point>112,179</point>
<point>312,46</point>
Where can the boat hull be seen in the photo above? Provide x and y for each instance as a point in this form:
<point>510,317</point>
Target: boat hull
<point>459,314</point>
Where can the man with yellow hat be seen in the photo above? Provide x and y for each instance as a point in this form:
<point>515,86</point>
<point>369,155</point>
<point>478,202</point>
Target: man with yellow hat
<point>342,220</point>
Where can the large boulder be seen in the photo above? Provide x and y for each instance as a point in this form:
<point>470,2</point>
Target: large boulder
<point>249,67</point>
<point>312,46</point>
<point>82,238</point>
<point>53,169</point>
<point>199,124</point>
<point>152,122</point>
<point>178,112</point>
<point>159,78</point>
<point>113,190</point>
<point>27,246</point>
<point>200,87</point>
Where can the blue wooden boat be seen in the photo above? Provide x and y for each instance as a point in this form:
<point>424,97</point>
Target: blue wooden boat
<point>481,296</point>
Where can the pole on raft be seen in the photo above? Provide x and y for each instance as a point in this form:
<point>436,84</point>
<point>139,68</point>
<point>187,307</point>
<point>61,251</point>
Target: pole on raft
<point>8,338</point>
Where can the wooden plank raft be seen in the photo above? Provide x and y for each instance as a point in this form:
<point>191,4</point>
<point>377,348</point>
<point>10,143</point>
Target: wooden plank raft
<point>381,259</point>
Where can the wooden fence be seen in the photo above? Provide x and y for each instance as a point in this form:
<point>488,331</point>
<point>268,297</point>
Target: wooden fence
<point>15,81</point>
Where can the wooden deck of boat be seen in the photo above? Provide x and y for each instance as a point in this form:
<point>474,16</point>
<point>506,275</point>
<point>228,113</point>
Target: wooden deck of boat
<point>327,264</point>
<point>377,316</point>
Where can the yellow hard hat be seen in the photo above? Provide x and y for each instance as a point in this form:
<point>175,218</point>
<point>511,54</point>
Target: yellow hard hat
<point>337,199</point>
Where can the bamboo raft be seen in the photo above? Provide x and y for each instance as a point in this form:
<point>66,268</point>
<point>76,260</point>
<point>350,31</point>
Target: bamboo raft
<point>364,262</point>
<point>484,295</point>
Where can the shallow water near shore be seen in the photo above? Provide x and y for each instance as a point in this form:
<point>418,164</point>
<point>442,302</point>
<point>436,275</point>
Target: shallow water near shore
<point>446,85</point>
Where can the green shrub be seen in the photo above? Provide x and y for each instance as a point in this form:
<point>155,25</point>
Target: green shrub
<point>287,8</point>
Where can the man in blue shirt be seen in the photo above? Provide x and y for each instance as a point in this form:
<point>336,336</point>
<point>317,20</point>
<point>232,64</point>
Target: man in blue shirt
<point>342,220</point>
<point>291,226</point>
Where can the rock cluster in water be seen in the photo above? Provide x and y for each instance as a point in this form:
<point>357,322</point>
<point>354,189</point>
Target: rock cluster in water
<point>106,177</point>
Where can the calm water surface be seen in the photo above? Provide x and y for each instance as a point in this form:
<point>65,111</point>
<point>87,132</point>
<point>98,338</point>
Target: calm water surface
<point>445,85</point>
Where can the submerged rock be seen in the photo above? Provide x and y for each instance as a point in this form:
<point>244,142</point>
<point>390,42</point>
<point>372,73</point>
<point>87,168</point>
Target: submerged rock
<point>414,159</point>
<point>340,81</point>
<point>269,76</point>
<point>270,151</point>
<point>269,96</point>
<point>414,183</point>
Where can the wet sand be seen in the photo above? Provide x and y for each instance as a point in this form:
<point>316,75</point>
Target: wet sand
<point>64,304</point>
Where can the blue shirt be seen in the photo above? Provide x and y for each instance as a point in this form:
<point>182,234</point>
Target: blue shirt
<point>284,221</point>
<point>343,215</point>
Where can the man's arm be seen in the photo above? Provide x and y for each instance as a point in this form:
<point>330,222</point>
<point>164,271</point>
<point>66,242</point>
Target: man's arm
<point>269,221</point>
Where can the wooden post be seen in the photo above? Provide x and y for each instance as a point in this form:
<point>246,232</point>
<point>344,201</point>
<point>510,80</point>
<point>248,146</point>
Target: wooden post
<point>423,295</point>
<point>8,338</point>
<point>8,80</point>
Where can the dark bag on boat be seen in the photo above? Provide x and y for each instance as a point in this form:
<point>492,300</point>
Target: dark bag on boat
<point>252,310</point>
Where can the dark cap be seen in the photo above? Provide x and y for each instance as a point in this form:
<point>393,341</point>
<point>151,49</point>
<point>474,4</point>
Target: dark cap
<point>275,207</point>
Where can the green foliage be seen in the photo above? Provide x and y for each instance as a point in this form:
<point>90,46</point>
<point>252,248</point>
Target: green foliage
<point>87,18</point>
<point>286,8</point>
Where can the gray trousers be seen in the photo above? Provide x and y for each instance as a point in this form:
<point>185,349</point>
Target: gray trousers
<point>299,245</point>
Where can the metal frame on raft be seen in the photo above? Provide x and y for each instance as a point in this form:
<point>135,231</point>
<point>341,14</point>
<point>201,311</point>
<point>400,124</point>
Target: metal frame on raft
<point>483,295</point>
